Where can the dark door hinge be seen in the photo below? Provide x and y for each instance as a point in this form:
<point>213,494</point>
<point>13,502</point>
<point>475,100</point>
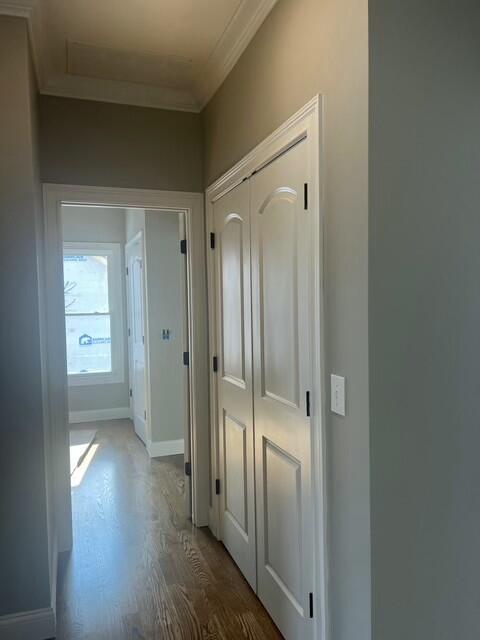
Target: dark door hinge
<point>217,487</point>
<point>310,603</point>
<point>145,414</point>
<point>129,333</point>
<point>215,364</point>
<point>130,392</point>
<point>183,246</point>
<point>212,241</point>
<point>305,196</point>
<point>186,358</point>
<point>307,403</point>
<point>188,468</point>
<point>126,269</point>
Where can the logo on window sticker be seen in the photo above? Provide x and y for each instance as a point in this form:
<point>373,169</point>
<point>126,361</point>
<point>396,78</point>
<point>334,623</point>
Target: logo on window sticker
<point>85,340</point>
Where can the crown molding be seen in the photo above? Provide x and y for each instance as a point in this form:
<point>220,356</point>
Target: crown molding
<point>31,11</point>
<point>235,39</point>
<point>18,8</point>
<point>128,93</point>
<point>245,22</point>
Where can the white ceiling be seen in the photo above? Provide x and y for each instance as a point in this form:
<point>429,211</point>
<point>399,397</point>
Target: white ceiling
<point>159,53</point>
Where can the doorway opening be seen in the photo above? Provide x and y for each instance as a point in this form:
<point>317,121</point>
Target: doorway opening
<point>125,290</point>
<point>95,370</point>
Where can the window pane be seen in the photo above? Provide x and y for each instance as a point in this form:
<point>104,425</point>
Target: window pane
<point>85,283</point>
<point>89,348</point>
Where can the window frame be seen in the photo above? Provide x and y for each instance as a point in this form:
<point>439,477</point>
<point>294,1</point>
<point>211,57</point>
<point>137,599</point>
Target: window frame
<point>115,310</point>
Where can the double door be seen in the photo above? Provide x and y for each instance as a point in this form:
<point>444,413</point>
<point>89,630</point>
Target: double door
<point>262,265</point>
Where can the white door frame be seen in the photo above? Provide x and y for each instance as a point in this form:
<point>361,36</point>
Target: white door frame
<point>307,124</point>
<point>139,237</point>
<point>191,204</point>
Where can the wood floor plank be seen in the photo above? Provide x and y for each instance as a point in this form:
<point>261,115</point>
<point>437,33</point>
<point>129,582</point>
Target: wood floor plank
<point>139,570</point>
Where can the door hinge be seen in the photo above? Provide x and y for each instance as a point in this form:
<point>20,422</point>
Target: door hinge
<point>310,603</point>
<point>188,468</point>
<point>217,487</point>
<point>130,392</point>
<point>307,403</point>
<point>212,241</point>
<point>215,364</point>
<point>305,196</point>
<point>145,414</point>
<point>143,339</point>
<point>129,333</point>
<point>183,246</point>
<point>186,358</point>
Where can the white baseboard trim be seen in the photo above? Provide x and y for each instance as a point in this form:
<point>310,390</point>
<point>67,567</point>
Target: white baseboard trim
<point>29,625</point>
<point>116,413</point>
<point>165,448</point>
<point>54,576</point>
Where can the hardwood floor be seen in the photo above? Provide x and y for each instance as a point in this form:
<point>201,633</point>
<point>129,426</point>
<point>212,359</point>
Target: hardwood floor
<point>139,570</point>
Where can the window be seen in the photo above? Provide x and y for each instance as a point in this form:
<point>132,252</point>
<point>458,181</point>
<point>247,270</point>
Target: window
<point>93,313</point>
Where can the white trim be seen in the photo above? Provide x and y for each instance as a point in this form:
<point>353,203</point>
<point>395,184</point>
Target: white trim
<point>97,415</point>
<point>165,448</point>
<point>237,35</point>
<point>235,39</point>
<point>191,204</point>
<point>306,123</point>
<point>31,11</point>
<point>118,92</point>
<point>116,313</point>
<point>29,625</point>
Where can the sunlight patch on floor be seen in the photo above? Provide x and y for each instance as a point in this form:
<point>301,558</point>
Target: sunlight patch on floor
<point>80,471</point>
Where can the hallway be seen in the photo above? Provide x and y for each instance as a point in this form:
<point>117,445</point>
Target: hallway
<point>139,570</point>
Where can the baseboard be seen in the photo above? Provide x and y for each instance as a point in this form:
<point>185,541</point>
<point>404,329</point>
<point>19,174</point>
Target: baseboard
<point>97,415</point>
<point>29,625</point>
<point>54,577</point>
<point>165,448</point>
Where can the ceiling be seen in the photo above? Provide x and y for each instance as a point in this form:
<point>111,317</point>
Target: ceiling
<point>159,53</point>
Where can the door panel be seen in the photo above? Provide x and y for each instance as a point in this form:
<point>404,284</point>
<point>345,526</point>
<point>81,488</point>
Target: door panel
<point>282,373</point>
<point>282,511</point>
<point>278,297</point>
<point>136,322</point>
<point>236,472</point>
<point>233,347</point>
<point>235,391</point>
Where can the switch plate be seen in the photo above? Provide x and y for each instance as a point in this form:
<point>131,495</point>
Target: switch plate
<point>337,390</point>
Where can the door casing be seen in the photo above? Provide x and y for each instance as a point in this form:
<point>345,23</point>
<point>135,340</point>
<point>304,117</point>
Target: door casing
<point>136,241</point>
<point>307,123</point>
<point>191,205</point>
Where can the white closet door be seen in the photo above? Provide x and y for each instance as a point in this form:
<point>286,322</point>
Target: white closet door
<point>281,356</point>
<point>136,322</point>
<point>235,392</point>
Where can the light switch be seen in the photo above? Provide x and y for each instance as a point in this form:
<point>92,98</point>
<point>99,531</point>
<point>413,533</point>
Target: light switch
<point>337,390</point>
<point>165,334</point>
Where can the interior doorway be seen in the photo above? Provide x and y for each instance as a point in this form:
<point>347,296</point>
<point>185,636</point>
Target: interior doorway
<point>126,329</point>
<point>111,366</point>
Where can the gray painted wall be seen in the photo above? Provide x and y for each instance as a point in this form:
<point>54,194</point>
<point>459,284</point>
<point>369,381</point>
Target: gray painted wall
<point>165,311</point>
<point>26,496</point>
<point>424,238</point>
<point>134,222</point>
<point>99,224</point>
<point>113,145</point>
<point>303,48</point>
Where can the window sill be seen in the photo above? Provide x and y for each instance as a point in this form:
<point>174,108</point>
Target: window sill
<point>93,379</point>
